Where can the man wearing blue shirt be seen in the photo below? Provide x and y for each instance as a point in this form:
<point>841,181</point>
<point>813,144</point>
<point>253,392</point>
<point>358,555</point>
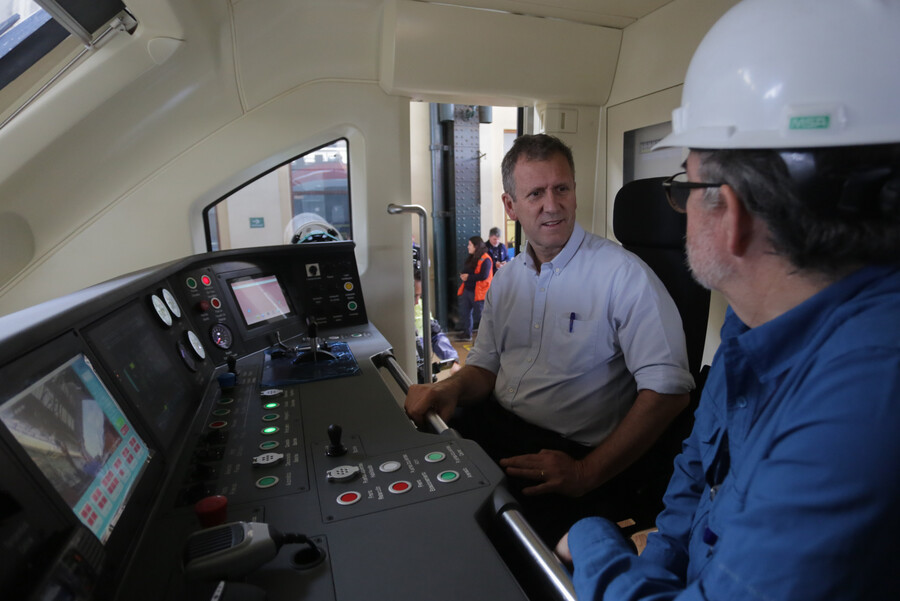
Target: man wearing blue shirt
<point>580,362</point>
<point>787,487</point>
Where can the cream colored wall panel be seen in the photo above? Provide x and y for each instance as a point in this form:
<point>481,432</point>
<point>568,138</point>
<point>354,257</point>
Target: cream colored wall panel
<point>657,49</point>
<point>100,75</point>
<point>151,225</point>
<point>307,41</point>
<point>449,53</point>
<point>609,13</point>
<point>91,166</point>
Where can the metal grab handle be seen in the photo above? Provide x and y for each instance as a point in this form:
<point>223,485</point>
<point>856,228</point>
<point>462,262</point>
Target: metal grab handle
<point>389,362</point>
<point>395,209</point>
<point>545,559</point>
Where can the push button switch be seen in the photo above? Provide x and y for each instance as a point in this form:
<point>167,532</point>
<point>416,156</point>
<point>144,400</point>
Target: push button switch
<point>398,488</point>
<point>349,498</point>
<point>448,476</point>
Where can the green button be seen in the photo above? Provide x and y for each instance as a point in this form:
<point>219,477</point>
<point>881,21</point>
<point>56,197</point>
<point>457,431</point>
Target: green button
<point>221,411</point>
<point>191,283</point>
<point>269,430</point>
<point>434,457</point>
<point>448,476</point>
<point>271,417</point>
<point>268,445</point>
<point>272,405</point>
<point>352,305</point>
<point>267,482</point>
<point>225,401</point>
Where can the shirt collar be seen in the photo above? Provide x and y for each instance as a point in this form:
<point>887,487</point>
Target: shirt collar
<point>565,255</point>
<point>775,346</point>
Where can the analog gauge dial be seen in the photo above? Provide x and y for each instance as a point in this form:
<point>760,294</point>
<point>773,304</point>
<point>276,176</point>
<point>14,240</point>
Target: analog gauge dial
<point>221,336</point>
<point>185,355</point>
<point>161,310</point>
<point>171,303</point>
<point>195,343</point>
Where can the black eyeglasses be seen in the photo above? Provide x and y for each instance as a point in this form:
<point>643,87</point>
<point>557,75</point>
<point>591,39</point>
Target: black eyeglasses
<point>678,189</point>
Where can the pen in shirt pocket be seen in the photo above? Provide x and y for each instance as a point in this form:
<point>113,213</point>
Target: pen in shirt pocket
<point>571,321</point>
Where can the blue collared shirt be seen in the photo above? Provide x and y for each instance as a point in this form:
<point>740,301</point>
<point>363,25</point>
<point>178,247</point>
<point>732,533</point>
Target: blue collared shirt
<point>788,486</point>
<point>573,340</point>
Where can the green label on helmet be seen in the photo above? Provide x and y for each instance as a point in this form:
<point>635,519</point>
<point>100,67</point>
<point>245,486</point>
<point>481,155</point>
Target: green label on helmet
<point>810,122</point>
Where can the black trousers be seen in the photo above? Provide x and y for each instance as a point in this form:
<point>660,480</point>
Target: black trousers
<point>503,434</point>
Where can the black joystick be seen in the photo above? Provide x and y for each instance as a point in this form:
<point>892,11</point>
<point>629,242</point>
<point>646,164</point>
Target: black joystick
<point>336,448</point>
<point>232,363</point>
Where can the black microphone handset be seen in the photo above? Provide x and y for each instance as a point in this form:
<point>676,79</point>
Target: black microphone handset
<point>233,550</point>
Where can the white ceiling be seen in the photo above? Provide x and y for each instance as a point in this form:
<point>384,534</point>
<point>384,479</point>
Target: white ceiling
<point>608,13</point>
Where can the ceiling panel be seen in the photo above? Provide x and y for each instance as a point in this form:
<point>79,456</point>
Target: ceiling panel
<point>608,13</point>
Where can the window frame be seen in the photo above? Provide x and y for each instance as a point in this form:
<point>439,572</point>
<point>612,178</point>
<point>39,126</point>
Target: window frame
<point>209,209</point>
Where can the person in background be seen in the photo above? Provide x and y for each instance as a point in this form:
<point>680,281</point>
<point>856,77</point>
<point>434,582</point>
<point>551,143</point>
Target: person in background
<point>496,249</point>
<point>476,278</point>
<point>580,362</point>
<point>440,345</point>
<point>787,487</point>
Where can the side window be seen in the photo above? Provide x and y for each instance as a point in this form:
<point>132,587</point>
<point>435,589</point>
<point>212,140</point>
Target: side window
<point>305,199</point>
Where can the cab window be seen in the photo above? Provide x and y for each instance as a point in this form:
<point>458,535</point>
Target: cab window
<point>305,199</point>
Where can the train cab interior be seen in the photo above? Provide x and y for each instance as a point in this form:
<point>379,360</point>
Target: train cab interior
<point>207,215</point>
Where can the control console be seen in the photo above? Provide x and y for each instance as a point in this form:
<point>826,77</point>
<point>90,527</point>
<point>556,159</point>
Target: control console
<point>221,427</point>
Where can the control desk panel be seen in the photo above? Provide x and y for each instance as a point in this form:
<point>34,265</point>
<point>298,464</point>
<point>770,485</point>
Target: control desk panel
<point>221,427</point>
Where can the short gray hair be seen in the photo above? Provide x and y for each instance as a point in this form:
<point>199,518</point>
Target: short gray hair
<point>537,147</point>
<point>805,207</point>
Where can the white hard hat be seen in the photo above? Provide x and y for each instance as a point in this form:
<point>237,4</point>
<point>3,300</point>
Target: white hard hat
<point>794,74</point>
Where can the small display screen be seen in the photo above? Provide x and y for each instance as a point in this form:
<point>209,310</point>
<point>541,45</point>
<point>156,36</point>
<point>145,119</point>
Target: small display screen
<point>77,435</point>
<point>142,359</point>
<point>260,298</point>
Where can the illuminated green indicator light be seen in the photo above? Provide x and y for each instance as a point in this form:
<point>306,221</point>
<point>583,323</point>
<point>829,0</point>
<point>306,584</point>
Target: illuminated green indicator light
<point>270,430</point>
<point>267,481</point>
<point>448,476</point>
<point>434,457</point>
<point>270,406</point>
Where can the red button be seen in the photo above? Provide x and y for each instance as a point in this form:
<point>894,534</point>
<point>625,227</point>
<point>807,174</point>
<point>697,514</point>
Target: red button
<point>205,279</point>
<point>218,424</point>
<point>203,306</point>
<point>349,498</point>
<point>216,303</point>
<point>400,487</point>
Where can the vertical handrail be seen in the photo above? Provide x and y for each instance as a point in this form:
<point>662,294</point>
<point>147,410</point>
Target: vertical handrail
<point>395,209</point>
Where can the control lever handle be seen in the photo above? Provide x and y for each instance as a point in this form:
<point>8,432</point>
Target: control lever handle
<point>336,448</point>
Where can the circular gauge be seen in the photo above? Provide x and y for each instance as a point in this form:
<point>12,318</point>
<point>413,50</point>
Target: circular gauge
<point>221,336</point>
<point>195,343</point>
<point>171,303</point>
<point>186,355</point>
<point>161,311</point>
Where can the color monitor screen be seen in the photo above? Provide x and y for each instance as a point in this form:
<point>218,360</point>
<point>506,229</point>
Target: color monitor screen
<point>78,437</point>
<point>261,299</point>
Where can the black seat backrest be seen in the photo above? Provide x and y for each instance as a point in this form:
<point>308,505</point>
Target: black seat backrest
<point>646,225</point>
